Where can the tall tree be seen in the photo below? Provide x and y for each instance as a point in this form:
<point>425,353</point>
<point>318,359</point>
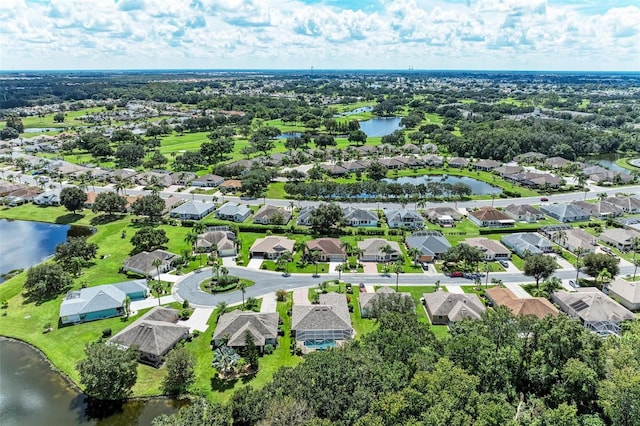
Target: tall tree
<point>72,198</point>
<point>539,266</point>
<point>110,203</point>
<point>180,373</point>
<point>108,372</point>
<point>46,280</point>
<point>149,239</point>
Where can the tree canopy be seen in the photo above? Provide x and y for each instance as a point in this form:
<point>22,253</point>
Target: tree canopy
<point>108,372</point>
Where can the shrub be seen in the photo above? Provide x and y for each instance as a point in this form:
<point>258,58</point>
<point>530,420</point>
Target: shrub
<point>268,349</point>
<point>106,333</point>
<point>251,304</point>
<point>185,304</point>
<point>195,333</point>
<point>185,314</point>
<point>281,295</point>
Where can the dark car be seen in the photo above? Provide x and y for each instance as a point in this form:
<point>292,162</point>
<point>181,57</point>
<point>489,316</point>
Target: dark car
<point>456,274</point>
<point>425,266</point>
<point>544,199</point>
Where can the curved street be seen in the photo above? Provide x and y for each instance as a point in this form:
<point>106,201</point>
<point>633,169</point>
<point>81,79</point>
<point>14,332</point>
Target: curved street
<point>267,282</point>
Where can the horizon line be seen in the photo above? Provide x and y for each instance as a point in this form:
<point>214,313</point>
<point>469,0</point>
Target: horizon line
<point>314,69</point>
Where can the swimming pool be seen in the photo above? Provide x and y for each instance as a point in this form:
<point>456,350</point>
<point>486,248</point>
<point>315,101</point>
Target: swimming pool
<point>319,344</point>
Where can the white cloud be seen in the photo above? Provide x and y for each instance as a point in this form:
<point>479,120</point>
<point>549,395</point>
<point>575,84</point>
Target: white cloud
<point>530,34</point>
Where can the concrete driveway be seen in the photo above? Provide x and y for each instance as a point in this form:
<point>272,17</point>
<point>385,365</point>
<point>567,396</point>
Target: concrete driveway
<point>198,319</point>
<point>255,263</point>
<point>370,267</point>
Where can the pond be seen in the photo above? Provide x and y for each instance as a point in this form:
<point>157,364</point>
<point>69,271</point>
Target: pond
<point>477,187</point>
<point>608,161</point>
<point>32,392</point>
<point>26,243</point>
<point>43,129</point>
<point>355,111</point>
<point>380,126</point>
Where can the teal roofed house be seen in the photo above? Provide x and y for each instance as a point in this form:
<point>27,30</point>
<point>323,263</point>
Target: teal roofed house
<point>100,302</point>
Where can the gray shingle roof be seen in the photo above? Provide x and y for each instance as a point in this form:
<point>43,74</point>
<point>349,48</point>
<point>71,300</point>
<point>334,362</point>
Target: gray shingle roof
<point>153,336</point>
<point>428,242</point>
<point>331,314</point>
<point>193,208</point>
<point>454,306</point>
<point>237,323</point>
<point>590,304</point>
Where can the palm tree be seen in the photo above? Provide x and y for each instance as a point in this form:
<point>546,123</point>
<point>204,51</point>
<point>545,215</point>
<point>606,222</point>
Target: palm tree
<point>386,250</point>
<point>191,238</point>
<point>414,253</point>
<point>222,307</point>
<point>487,269</point>
<point>186,255</point>
<point>635,246</point>
<point>286,257</point>
<point>315,257</point>
<point>199,227</point>
<point>397,269</point>
<point>578,251</point>
<point>347,247</point>
<point>339,269</point>
<point>604,276</point>
<point>126,306</point>
<point>437,285</point>
<point>242,286</point>
<point>157,263</point>
<point>215,269</point>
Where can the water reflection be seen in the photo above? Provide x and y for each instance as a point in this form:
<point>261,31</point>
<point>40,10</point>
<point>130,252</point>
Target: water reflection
<point>31,392</point>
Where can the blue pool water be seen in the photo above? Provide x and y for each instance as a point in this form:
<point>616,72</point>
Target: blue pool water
<point>319,344</point>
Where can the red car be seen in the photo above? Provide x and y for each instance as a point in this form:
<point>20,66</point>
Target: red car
<point>456,274</point>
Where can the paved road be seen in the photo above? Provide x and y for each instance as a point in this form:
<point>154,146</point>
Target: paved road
<point>267,282</point>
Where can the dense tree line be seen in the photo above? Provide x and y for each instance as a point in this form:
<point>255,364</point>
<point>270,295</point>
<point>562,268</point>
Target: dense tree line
<point>503,370</point>
<point>370,189</point>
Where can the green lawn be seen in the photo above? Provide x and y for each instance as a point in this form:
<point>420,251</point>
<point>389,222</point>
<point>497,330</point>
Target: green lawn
<point>441,331</point>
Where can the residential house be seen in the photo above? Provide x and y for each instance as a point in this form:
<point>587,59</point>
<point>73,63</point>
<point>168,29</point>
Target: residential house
<point>152,335</point>
<point>391,163</point>
<point>628,293</point>
<point>409,161</point>
<point>536,180</point>
<point>91,199</point>
<point>321,326</point>
<point>171,203</point>
<point>219,237</point>
<point>367,301</point>
<point>142,263</point>
<point>527,242</point>
<point>628,204</point>
<point>603,209</point>
<point>359,217</point>
<point>433,160</point>
<point>489,217</point>
<point>487,165</point>
<point>410,148</point>
<point>329,249</point>
<point>597,311</point>
<point>524,213</point>
<point>355,166</point>
<point>608,176</point>
<point>620,238</point>
<point>304,215</point>
<point>163,180</point>
<point>556,162</point>
<point>432,245</point>
<point>372,250</point>
<point>267,215</point>
<point>193,210</point>
<point>104,301</point>
<point>233,327</point>
<point>334,169</point>
<point>445,308</point>
<point>233,212</point>
<point>208,181</point>
<point>404,218</point>
<point>570,238</point>
<point>492,249</point>
<point>434,214</point>
<point>230,185</point>
<point>458,162</point>
<point>48,198</point>
<point>271,247</point>
<point>508,170</point>
<point>182,178</point>
<point>536,306</point>
<point>565,212</point>
<point>529,157</point>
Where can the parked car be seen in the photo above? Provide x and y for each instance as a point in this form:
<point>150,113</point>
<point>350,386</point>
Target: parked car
<point>544,199</point>
<point>425,266</point>
<point>504,263</point>
<point>456,274</point>
<point>363,289</point>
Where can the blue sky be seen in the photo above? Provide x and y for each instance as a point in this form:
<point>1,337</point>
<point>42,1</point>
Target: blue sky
<point>329,34</point>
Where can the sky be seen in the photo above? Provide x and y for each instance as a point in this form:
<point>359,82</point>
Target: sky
<point>589,35</point>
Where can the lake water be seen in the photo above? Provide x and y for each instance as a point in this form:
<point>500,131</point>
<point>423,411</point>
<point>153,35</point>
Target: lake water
<point>355,111</point>
<point>43,129</point>
<point>477,187</point>
<point>33,394</point>
<point>608,161</point>
<point>380,126</point>
<point>26,243</point>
